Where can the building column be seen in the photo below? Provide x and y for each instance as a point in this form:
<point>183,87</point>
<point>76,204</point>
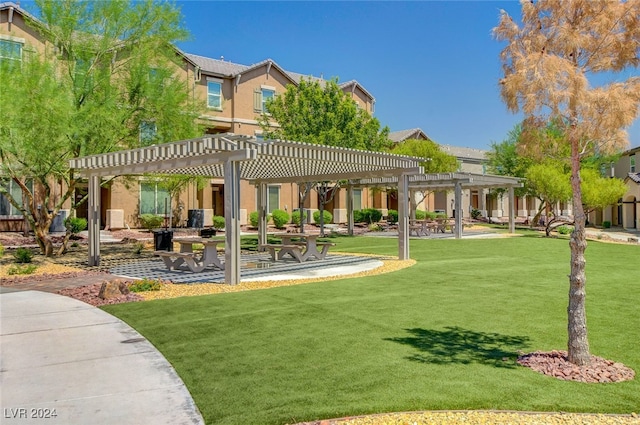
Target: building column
<point>262,213</point>
<point>350,210</point>
<point>232,222</point>
<point>512,207</point>
<point>458,210</point>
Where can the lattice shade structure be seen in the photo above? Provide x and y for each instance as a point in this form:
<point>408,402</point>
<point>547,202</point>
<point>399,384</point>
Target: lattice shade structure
<point>443,181</point>
<point>236,158</point>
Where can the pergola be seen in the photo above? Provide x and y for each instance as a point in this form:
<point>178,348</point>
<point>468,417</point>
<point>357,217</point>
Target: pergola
<point>452,181</point>
<point>234,158</point>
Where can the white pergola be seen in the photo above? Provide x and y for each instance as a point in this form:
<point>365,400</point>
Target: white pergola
<point>451,181</point>
<point>261,162</point>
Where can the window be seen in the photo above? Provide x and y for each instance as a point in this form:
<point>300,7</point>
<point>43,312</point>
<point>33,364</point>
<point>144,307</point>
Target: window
<point>632,164</point>
<point>153,199</point>
<point>6,208</point>
<point>273,198</point>
<point>148,133</point>
<point>357,199</point>
<point>261,96</point>
<point>214,94</point>
<point>10,51</point>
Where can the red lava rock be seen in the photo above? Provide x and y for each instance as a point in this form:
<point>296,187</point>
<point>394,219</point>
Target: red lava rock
<point>556,364</point>
<point>90,295</point>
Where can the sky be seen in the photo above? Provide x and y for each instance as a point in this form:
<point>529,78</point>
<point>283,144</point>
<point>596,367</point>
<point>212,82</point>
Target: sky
<point>432,65</point>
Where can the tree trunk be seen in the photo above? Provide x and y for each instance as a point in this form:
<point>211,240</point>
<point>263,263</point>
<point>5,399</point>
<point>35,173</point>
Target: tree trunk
<point>578,344</point>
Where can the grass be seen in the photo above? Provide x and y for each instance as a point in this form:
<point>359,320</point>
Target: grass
<point>443,334</point>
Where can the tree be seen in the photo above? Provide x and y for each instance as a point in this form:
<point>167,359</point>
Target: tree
<point>551,184</point>
<point>547,64</point>
<point>312,113</point>
<point>104,81</point>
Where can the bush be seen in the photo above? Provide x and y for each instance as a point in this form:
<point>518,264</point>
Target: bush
<point>564,230</point>
<point>151,221</point>
<point>392,216</point>
<point>326,216</point>
<point>475,214</point>
<point>138,247</point>
<point>28,269</point>
<point>146,285</point>
<point>1,250</point>
<point>295,217</point>
<point>358,216</point>
<point>421,215</point>
<point>23,255</point>
<point>218,222</point>
<point>606,224</point>
<point>280,218</point>
<point>371,215</point>
<point>253,219</point>
<point>75,225</point>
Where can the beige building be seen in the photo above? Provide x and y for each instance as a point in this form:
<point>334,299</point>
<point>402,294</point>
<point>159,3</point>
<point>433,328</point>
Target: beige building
<point>233,97</point>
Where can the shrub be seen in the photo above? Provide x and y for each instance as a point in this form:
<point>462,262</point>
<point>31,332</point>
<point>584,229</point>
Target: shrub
<point>151,221</point>
<point>326,216</point>
<point>564,230</point>
<point>253,219</point>
<point>138,247</point>
<point>280,218</point>
<point>392,216</point>
<point>606,224</point>
<point>375,227</point>
<point>475,214</point>
<point>75,225</point>
<point>295,217</point>
<point>218,222</point>
<point>1,250</point>
<point>421,215</point>
<point>146,285</point>
<point>23,255</point>
<point>358,216</point>
<point>371,215</point>
<point>15,270</point>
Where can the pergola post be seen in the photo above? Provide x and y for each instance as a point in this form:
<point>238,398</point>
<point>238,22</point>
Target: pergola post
<point>458,210</point>
<point>350,209</point>
<point>93,215</point>
<point>512,220</point>
<point>403,217</point>
<point>232,222</point>
<point>262,213</point>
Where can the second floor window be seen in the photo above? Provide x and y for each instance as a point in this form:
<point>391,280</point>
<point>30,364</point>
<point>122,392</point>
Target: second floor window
<point>261,96</point>
<point>632,164</point>
<point>266,95</point>
<point>214,94</point>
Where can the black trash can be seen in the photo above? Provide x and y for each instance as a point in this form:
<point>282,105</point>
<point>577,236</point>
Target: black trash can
<point>195,219</point>
<point>163,240</point>
<point>208,232</point>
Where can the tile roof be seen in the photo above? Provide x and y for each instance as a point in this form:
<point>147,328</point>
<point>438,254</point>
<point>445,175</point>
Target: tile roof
<point>412,133</point>
<point>464,153</point>
<point>635,177</point>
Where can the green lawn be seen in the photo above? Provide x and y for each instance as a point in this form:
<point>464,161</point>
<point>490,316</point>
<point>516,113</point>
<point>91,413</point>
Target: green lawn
<point>443,334</point>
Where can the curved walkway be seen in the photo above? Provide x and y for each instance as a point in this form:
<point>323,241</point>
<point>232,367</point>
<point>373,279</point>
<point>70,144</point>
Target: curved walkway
<point>64,357</point>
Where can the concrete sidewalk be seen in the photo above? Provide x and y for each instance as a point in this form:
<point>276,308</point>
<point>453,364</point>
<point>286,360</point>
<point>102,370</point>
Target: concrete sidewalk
<point>62,357</point>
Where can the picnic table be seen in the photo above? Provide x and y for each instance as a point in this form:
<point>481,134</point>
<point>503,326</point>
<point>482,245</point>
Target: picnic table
<point>195,261</point>
<point>303,249</point>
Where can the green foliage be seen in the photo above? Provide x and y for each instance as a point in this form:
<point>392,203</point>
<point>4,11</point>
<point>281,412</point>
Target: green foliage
<point>436,160</point>
<point>1,250</point>
<point>323,115</point>
<point>146,285</point>
<point>75,225</point>
<point>295,217</point>
<point>368,215</point>
<point>550,181</point>
<point>598,191</point>
<point>23,255</point>
<point>253,218</point>
<point>564,230</point>
<point>218,222</point>
<point>475,213</point>
<point>326,216</point>
<point>151,221</point>
<point>22,270</point>
<point>280,218</point>
<point>358,216</point>
<point>117,75</point>
<point>606,224</point>
<point>421,215</point>
<point>392,216</point>
<point>138,247</point>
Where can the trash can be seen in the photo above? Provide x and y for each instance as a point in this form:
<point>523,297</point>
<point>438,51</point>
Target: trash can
<point>163,240</point>
<point>195,219</point>
<point>208,232</point>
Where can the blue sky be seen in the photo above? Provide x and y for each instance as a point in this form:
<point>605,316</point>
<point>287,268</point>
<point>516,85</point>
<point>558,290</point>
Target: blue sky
<point>429,64</point>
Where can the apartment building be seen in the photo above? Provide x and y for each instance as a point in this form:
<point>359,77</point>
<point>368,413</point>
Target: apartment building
<point>233,97</point>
